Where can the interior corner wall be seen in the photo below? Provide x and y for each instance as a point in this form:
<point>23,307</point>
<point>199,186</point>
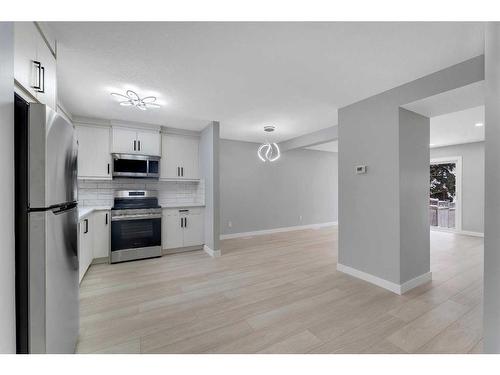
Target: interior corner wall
<point>259,196</point>
<point>370,232</point>
<point>7,248</point>
<point>472,182</point>
<point>369,203</point>
<point>209,170</point>
<point>414,134</point>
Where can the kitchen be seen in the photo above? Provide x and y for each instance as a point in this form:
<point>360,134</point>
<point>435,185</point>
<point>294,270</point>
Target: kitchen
<point>96,191</point>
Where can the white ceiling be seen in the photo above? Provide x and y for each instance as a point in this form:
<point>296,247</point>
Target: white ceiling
<point>457,127</point>
<point>247,75</point>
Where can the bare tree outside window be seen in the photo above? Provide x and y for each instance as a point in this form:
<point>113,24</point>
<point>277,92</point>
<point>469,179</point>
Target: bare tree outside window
<point>443,182</point>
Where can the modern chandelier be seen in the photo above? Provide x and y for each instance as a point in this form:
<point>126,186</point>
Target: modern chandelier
<point>269,151</point>
<point>131,99</point>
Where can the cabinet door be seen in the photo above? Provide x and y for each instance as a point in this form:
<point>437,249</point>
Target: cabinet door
<point>170,156</point>
<point>49,81</point>
<point>189,162</point>
<point>149,142</point>
<point>124,141</point>
<point>25,52</point>
<point>94,158</point>
<point>194,230</point>
<point>101,233</point>
<point>85,248</point>
<point>171,231</point>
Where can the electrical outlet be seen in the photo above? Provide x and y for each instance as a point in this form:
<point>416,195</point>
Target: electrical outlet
<point>230,224</point>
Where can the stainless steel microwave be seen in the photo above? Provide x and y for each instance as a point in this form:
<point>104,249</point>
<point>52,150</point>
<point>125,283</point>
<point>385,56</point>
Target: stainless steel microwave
<point>136,166</point>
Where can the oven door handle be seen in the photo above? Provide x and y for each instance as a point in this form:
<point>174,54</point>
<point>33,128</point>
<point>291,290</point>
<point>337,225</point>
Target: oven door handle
<point>135,217</point>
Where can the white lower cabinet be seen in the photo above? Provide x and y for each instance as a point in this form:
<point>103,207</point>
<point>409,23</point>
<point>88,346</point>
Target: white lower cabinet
<point>85,246</point>
<point>101,221</point>
<point>182,227</point>
<point>93,239</point>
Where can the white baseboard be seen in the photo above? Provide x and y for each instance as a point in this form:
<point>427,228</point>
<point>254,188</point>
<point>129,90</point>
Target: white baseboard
<point>389,285</point>
<point>470,233</point>
<point>451,230</point>
<point>277,230</point>
<point>211,252</point>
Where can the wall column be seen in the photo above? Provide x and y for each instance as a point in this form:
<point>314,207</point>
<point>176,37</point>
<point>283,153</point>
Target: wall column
<point>491,322</point>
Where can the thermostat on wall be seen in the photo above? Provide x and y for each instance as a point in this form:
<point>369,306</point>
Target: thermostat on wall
<point>360,169</point>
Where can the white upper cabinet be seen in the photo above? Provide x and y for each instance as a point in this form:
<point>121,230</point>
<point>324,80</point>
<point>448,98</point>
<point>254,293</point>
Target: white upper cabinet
<point>94,157</point>
<point>25,53</point>
<point>149,142</point>
<point>179,157</point>
<point>124,141</point>
<point>34,64</point>
<point>134,141</point>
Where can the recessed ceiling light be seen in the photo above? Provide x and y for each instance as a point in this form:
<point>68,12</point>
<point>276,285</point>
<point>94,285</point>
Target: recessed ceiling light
<point>479,124</point>
<point>432,144</point>
<point>131,99</point>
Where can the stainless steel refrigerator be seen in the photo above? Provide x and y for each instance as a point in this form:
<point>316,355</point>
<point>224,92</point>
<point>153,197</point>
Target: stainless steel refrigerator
<point>46,230</point>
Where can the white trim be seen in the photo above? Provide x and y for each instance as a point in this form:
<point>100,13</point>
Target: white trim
<point>389,285</point>
<point>277,230</point>
<point>458,189</point>
<point>452,230</point>
<point>417,281</point>
<point>211,252</point>
<point>440,145</point>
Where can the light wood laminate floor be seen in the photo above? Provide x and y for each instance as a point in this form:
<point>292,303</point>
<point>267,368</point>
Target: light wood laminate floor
<point>281,293</point>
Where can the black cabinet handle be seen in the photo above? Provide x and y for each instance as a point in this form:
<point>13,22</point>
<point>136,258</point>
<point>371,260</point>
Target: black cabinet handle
<point>178,172</point>
<point>182,223</point>
<point>185,222</point>
<point>108,168</point>
<point>135,142</point>
<point>86,226</point>
<point>106,219</point>
<point>182,171</point>
<point>139,145</point>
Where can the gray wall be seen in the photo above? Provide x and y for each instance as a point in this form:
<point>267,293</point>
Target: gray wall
<point>491,321</point>
<point>414,130</point>
<point>472,182</point>
<point>7,291</point>
<point>209,170</point>
<point>370,232</point>
<point>258,196</point>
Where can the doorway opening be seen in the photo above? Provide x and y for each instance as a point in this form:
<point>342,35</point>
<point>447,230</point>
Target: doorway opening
<point>445,194</point>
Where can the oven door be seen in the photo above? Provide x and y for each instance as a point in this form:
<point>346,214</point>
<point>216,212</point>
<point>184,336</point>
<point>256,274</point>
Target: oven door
<point>135,232</point>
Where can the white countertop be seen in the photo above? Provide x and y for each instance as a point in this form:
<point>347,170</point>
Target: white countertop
<point>85,211</point>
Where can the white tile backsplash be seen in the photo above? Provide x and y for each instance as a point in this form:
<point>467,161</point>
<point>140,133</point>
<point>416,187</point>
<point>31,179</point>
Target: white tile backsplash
<point>100,193</point>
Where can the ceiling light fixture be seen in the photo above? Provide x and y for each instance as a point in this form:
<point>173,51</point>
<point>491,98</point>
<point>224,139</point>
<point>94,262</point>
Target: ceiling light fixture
<point>269,151</point>
<point>131,99</point>
<point>479,124</point>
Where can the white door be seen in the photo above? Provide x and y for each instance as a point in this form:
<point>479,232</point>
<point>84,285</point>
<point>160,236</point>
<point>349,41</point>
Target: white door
<point>101,224</point>
<point>172,232</point>
<point>25,52</point>
<point>170,156</point>
<point>124,141</point>
<point>49,81</point>
<point>94,158</point>
<point>149,142</point>
<point>189,162</point>
<point>194,229</point>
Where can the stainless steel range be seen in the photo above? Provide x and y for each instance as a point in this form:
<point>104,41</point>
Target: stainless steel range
<point>135,225</point>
